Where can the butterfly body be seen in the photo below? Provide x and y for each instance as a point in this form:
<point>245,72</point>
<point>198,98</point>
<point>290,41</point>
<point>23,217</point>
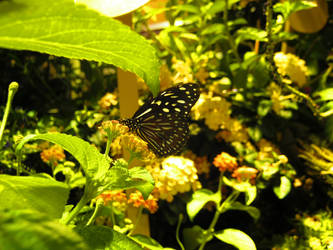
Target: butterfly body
<point>163,121</point>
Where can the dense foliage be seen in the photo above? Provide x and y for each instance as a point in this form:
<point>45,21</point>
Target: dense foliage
<point>256,171</point>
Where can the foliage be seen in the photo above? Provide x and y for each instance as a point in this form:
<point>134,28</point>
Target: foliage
<point>261,131</point>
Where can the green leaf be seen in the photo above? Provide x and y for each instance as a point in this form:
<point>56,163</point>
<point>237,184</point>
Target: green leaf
<point>236,238</point>
<point>31,230</point>
<point>63,28</point>
<point>255,133</point>
<point>264,107</point>
<point>286,8</point>
<point>250,33</point>
<point>147,242</point>
<point>199,199</point>
<point>249,190</point>
<point>252,211</point>
<point>94,164</point>
<point>120,178</point>
<point>100,237</point>
<point>187,7</point>
<point>193,237</point>
<point>283,189</point>
<point>324,95</point>
<point>240,78</point>
<point>35,193</point>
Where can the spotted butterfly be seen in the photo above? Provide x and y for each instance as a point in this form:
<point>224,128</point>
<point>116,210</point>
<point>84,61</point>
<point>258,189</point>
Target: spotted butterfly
<point>163,121</point>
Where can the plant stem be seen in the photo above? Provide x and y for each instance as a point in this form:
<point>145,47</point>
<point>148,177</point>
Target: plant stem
<point>12,89</point>
<point>99,203</point>
<point>230,38</point>
<point>180,219</point>
<point>84,200</point>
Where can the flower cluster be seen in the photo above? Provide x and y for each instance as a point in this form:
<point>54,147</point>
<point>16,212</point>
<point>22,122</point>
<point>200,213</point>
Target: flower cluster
<point>174,175</point>
<point>107,101</point>
<point>114,128</point>
<point>245,173</point>
<point>137,200</point>
<point>225,162</point>
<point>200,162</point>
<point>136,146</point>
<point>183,71</point>
<point>291,66</point>
<point>117,199</point>
<point>53,155</point>
<point>213,109</point>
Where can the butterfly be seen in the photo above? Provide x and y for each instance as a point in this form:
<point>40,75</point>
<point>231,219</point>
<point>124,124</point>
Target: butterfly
<point>163,121</point>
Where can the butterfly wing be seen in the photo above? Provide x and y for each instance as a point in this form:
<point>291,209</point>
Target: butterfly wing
<point>163,121</point>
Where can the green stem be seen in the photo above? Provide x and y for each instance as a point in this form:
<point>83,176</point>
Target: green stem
<point>84,200</point>
<point>180,219</point>
<point>99,204</point>
<point>230,38</point>
<point>219,210</point>
<point>138,218</point>
<point>12,89</point>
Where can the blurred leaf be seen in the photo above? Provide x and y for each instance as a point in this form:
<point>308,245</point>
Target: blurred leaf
<point>324,95</point>
<point>236,238</point>
<point>268,170</point>
<point>193,237</point>
<point>252,211</point>
<point>286,8</point>
<point>27,192</point>
<point>199,199</point>
<point>215,28</point>
<point>255,133</point>
<point>24,229</point>
<point>62,28</point>
<point>218,6</point>
<point>147,242</point>
<point>187,7</point>
<point>101,237</point>
<point>240,78</point>
<point>264,107</point>
<point>283,189</point>
<point>250,33</point>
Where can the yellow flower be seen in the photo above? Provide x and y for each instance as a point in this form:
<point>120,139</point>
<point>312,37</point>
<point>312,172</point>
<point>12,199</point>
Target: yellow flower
<point>136,146</point>
<point>202,75</point>
<point>114,128</point>
<point>200,162</point>
<point>266,148</point>
<point>213,109</point>
<point>174,175</point>
<point>108,100</point>
<point>292,66</point>
<point>225,162</point>
<point>53,154</point>
<point>183,71</point>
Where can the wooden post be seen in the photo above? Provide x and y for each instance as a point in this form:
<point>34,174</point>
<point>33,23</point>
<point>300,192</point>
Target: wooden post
<point>128,102</point>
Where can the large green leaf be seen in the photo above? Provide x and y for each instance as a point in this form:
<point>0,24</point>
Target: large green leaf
<point>94,164</point>
<point>35,193</point>
<point>236,238</point>
<point>27,230</point>
<point>199,199</point>
<point>100,237</point>
<point>63,28</point>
